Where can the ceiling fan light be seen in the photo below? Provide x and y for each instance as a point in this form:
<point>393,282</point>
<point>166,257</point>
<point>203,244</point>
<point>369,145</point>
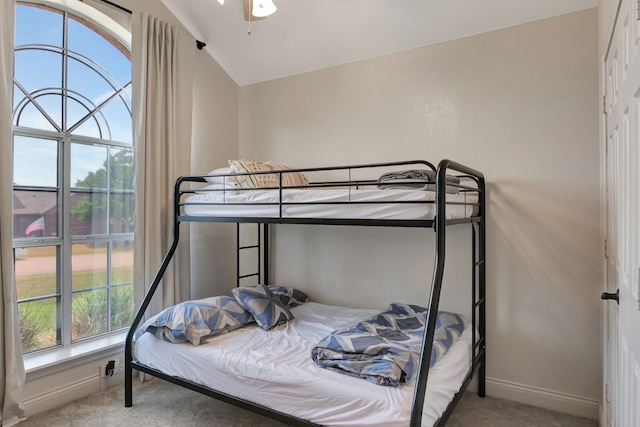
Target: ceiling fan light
<point>221,2</point>
<point>262,8</point>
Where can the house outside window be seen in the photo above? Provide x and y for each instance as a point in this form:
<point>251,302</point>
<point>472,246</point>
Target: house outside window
<point>73,193</point>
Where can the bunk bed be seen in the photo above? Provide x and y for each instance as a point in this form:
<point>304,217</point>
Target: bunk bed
<point>395,194</point>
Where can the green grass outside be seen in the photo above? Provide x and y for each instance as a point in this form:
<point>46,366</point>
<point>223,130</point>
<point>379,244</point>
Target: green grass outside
<point>80,249</point>
<point>35,285</point>
<point>38,318</point>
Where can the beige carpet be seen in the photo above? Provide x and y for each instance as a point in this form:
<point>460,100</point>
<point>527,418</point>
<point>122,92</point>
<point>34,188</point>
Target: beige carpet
<point>157,403</point>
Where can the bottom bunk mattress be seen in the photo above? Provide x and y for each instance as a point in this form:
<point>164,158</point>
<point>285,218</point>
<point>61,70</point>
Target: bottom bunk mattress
<point>274,368</point>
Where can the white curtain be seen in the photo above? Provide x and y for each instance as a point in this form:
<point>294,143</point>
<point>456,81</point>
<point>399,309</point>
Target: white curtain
<point>162,69</point>
<point>12,375</point>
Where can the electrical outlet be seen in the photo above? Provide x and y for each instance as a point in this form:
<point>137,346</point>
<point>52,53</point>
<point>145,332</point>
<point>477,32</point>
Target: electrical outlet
<point>112,368</point>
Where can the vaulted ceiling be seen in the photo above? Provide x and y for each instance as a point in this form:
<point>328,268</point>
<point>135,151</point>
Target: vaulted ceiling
<point>306,35</point>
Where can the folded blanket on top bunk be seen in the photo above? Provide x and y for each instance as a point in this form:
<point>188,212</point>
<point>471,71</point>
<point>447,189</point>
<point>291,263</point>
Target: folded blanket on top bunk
<point>416,179</point>
<point>385,349</point>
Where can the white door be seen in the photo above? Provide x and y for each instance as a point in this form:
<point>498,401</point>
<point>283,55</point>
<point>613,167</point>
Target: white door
<point>622,142</point>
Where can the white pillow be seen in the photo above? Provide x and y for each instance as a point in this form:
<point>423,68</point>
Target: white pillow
<point>257,180</point>
<point>222,180</point>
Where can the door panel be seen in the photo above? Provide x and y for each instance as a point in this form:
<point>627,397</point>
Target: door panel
<point>622,225</point>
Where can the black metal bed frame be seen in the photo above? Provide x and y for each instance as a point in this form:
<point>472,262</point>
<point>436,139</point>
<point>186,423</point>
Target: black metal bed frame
<point>439,224</point>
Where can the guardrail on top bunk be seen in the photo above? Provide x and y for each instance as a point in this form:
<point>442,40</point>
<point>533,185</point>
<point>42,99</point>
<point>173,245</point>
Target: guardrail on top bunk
<point>211,203</point>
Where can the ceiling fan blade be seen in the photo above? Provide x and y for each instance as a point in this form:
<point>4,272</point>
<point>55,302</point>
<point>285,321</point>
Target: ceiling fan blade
<point>248,6</point>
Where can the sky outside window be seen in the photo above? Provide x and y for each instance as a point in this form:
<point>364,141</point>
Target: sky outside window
<point>89,82</point>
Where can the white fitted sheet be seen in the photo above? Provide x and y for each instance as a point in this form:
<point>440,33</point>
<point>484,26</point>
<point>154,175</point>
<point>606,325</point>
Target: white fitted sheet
<point>238,203</point>
<point>274,368</point>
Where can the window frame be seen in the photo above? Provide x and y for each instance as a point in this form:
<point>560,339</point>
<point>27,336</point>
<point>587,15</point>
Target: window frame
<point>120,38</point>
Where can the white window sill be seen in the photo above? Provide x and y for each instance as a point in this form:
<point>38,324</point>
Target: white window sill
<point>51,361</point>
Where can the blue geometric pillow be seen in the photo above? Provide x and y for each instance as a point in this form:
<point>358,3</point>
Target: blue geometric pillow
<point>194,321</point>
<point>290,297</point>
<point>266,308</point>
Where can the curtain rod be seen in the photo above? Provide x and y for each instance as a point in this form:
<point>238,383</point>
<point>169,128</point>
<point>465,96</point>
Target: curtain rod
<point>199,44</point>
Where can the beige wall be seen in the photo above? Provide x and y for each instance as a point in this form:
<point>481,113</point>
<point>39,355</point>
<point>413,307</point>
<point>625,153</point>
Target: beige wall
<point>520,104</point>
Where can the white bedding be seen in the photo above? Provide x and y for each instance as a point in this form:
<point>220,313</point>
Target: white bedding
<point>274,368</point>
<point>237,203</point>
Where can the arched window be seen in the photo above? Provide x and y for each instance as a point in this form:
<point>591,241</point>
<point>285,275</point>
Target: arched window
<point>73,175</point>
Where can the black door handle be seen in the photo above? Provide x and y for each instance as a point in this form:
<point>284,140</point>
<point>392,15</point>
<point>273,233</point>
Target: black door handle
<point>609,295</point>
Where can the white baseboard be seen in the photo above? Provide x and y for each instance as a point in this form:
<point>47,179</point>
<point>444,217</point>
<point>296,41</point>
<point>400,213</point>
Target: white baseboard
<point>58,377</point>
<point>555,401</point>
<point>61,396</point>
<point>68,393</point>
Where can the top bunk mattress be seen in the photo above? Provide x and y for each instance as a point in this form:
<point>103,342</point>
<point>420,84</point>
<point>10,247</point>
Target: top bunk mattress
<point>388,204</point>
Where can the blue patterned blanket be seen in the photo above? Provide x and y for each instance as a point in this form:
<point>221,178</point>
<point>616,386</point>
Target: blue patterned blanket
<point>385,349</point>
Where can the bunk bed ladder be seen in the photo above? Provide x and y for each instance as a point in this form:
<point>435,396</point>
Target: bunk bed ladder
<point>478,314</point>
<point>262,246</point>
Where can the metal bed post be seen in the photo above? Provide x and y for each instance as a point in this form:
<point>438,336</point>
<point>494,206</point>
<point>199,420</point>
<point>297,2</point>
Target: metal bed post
<point>483,289</point>
<point>128,346</point>
<point>238,254</point>
<point>434,299</point>
<point>440,223</point>
<point>265,252</point>
<point>259,244</point>
<point>474,290</point>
